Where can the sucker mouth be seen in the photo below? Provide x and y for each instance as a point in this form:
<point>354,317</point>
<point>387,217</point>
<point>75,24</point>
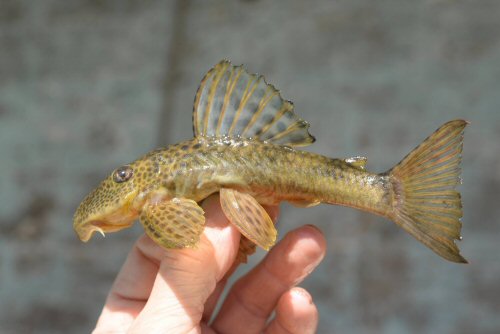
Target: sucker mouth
<point>88,228</point>
<point>85,231</point>
<point>103,226</point>
<point>111,220</point>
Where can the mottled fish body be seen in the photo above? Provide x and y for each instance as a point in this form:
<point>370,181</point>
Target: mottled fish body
<point>270,173</point>
<point>245,148</point>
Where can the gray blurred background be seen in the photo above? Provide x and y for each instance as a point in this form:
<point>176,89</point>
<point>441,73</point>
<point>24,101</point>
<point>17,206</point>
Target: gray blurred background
<point>86,86</point>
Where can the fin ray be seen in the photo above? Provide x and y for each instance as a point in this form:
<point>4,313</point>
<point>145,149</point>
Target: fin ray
<point>245,249</point>
<point>426,203</point>
<point>304,204</point>
<point>177,223</point>
<point>234,103</point>
<point>358,162</point>
<point>249,217</point>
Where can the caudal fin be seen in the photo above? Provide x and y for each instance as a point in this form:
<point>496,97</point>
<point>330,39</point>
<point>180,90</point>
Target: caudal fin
<point>426,203</point>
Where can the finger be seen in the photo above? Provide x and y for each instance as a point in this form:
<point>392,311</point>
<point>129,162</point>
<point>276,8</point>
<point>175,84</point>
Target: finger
<point>132,286</point>
<point>295,313</point>
<point>253,298</point>
<point>187,277</point>
<point>211,303</point>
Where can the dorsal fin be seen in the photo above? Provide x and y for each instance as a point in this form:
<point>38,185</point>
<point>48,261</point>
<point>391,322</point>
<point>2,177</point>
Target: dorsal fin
<point>358,162</point>
<point>234,103</point>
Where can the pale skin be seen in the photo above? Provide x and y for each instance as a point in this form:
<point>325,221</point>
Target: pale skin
<point>176,291</point>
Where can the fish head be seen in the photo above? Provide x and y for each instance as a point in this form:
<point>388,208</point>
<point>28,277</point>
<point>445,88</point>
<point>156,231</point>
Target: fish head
<point>113,205</point>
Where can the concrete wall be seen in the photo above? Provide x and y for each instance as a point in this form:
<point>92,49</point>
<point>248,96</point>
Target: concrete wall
<point>88,85</point>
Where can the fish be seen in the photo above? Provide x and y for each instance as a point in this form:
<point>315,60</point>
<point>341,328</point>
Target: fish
<point>246,148</point>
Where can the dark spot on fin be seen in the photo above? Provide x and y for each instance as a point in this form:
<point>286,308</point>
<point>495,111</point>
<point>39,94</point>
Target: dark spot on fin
<point>249,217</point>
<point>231,102</point>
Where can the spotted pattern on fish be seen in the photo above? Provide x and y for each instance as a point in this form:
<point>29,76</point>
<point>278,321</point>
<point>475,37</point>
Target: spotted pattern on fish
<point>245,148</point>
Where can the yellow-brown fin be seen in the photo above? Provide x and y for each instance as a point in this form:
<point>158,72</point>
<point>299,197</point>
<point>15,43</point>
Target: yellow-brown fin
<point>249,217</point>
<point>304,204</point>
<point>177,223</point>
<point>245,249</point>
<point>231,102</point>
<point>426,203</point>
<point>358,162</point>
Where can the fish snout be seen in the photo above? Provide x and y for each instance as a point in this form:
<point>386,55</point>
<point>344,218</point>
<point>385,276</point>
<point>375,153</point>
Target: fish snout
<point>111,220</point>
<point>83,225</point>
<point>85,230</point>
<point>108,208</point>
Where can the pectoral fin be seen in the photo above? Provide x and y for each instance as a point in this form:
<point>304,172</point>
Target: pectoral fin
<point>249,217</point>
<point>177,223</point>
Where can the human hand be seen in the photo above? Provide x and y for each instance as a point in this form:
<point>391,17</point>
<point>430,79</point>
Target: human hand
<point>176,291</point>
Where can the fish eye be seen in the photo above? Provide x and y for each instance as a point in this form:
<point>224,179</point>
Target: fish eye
<point>123,174</point>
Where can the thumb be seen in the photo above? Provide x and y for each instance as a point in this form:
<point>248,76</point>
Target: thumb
<point>187,277</point>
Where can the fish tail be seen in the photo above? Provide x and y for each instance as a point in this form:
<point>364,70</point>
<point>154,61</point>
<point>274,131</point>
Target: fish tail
<point>425,202</point>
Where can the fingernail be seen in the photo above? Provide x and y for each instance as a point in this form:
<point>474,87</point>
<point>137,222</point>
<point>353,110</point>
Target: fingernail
<point>314,227</point>
<point>309,230</point>
<point>302,294</point>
